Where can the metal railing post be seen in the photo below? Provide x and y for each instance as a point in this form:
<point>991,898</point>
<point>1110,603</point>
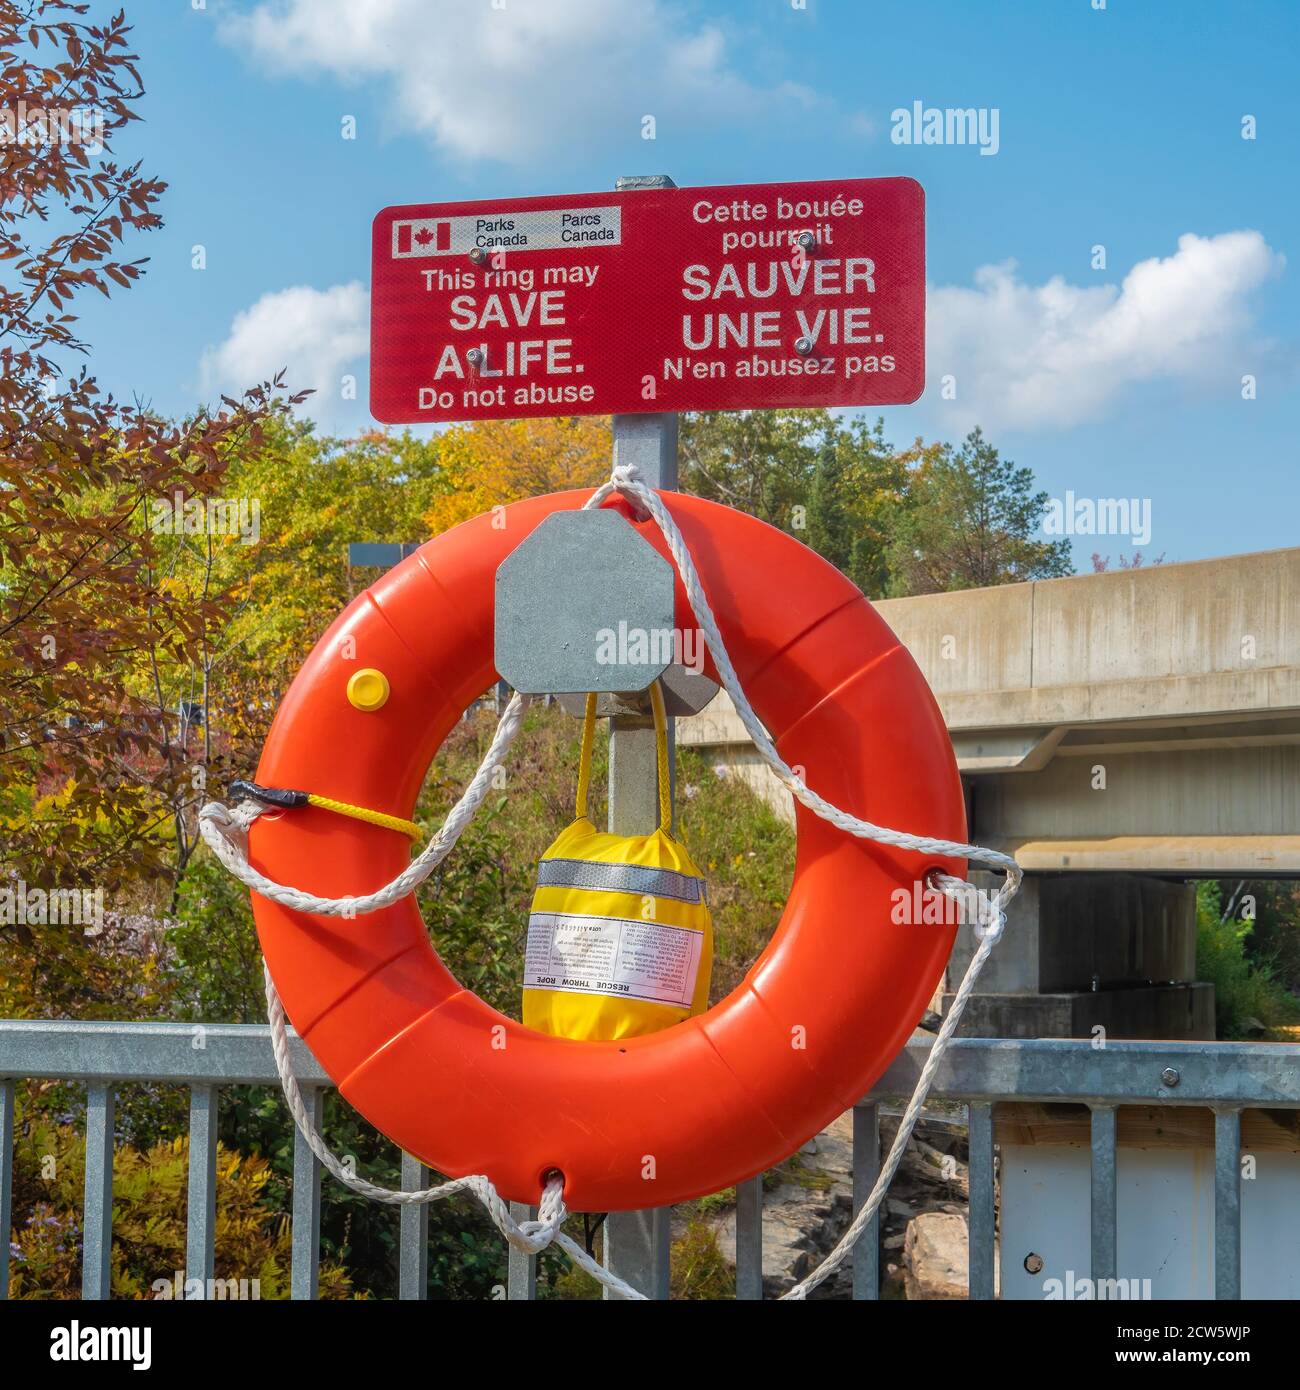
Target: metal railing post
<point>980,1180</point>
<point>1227,1204</point>
<point>521,1268</point>
<point>305,1251</point>
<point>866,1171</point>
<point>97,1229</point>
<point>1103,1170</point>
<point>6,1179</point>
<point>413,1235</point>
<point>201,1206</point>
<point>749,1239</point>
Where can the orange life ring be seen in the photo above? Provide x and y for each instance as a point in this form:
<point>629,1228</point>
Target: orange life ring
<point>651,1120</point>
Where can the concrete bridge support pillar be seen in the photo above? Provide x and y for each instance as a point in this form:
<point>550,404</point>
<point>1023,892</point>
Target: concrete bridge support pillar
<point>1089,951</point>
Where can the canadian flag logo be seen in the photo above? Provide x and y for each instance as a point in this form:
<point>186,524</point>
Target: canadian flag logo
<point>421,238</point>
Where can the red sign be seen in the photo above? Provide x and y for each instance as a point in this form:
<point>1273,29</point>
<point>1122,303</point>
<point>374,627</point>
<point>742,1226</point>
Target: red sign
<point>731,298</point>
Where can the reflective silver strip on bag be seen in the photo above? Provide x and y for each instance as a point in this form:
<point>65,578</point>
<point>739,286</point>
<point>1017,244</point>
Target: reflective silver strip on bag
<point>620,878</point>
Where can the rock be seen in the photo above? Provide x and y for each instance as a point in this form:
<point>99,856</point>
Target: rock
<point>804,1215</point>
<point>800,1226</point>
<point>808,1209</point>
<point>934,1256</point>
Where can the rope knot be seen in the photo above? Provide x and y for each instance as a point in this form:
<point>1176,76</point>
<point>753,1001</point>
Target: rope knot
<point>991,924</point>
<point>628,480</point>
<point>625,474</point>
<point>532,1237</point>
<point>984,911</point>
<point>228,824</point>
<point>217,812</point>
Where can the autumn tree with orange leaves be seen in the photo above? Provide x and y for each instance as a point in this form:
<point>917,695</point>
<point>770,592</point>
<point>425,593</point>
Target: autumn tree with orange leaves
<point>98,785</point>
<point>495,462</point>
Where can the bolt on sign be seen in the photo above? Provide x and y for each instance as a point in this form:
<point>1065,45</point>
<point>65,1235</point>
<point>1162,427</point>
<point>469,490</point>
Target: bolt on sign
<point>729,298</point>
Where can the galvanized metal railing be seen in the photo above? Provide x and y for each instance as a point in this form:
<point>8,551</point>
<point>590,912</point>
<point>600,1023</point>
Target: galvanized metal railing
<point>1224,1077</point>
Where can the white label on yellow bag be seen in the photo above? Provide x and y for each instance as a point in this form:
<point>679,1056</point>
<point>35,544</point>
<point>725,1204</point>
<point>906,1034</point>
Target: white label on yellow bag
<point>612,955</point>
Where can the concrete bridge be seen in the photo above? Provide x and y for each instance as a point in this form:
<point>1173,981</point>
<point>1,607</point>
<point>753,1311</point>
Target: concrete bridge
<point>1120,734</point>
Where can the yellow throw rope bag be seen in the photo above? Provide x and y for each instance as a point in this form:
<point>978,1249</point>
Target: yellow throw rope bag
<point>620,942</point>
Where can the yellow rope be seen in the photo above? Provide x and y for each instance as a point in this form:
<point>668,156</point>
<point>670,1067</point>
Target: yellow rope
<point>661,751</point>
<point>343,808</point>
<point>406,827</point>
<point>584,758</point>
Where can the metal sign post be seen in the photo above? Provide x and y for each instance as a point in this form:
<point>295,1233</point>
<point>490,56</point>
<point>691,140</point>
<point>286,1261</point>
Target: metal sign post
<point>649,441</point>
<point>653,299</point>
<point>637,1242</point>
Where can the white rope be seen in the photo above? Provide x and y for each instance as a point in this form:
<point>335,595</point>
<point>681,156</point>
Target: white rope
<point>532,1237</point>
<point>627,480</point>
<point>988,910</point>
<point>905,1126</point>
<point>524,1237</point>
<point>225,830</point>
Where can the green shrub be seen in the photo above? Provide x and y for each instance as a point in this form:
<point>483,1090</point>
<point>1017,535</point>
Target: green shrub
<point>746,853</point>
<point>699,1269</point>
<point>252,1243</point>
<point>1245,988</point>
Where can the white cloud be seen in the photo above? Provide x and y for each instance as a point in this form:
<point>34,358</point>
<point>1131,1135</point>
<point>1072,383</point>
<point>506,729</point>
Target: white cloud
<point>1052,355</point>
<point>313,334</point>
<point>519,82</point>
<point>1024,356</point>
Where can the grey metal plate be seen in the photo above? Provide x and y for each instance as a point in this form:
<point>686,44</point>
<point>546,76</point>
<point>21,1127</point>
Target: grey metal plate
<point>380,554</point>
<point>584,603</point>
<point>685,693</point>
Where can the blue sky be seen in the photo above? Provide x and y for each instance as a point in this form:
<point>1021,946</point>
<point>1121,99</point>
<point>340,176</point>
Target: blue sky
<point>1118,127</point>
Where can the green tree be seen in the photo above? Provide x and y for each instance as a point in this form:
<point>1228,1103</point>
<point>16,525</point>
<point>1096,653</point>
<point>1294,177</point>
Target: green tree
<point>1249,995</point>
<point>490,463</point>
<point>311,495</point>
<point>830,529</point>
<point>971,523</point>
<point>758,461</point>
<point>836,485</point>
<point>856,496</point>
